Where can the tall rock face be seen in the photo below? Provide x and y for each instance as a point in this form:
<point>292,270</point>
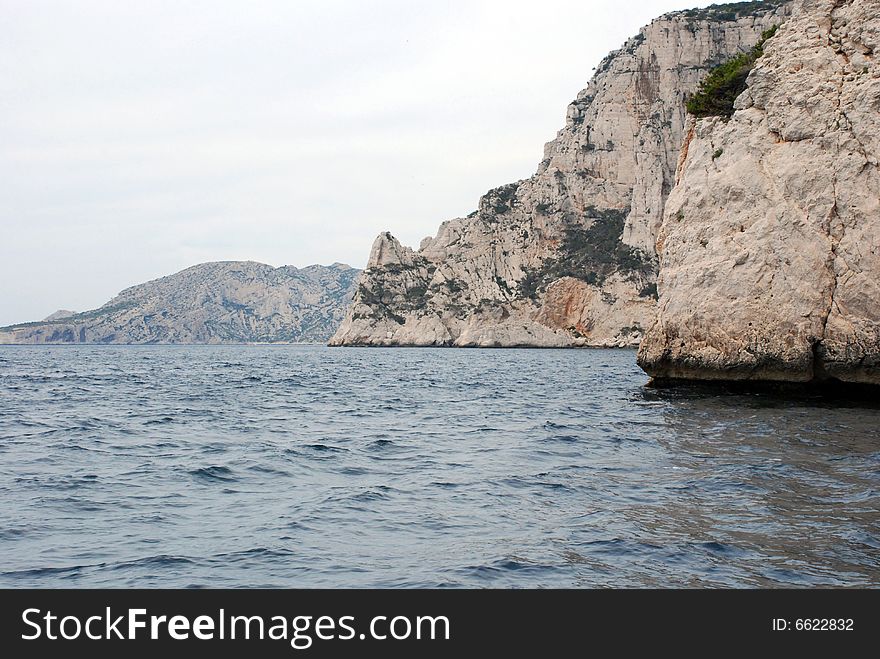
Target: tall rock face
<point>225,302</point>
<point>565,257</point>
<point>770,242</point>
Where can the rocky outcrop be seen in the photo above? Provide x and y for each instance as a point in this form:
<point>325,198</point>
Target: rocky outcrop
<point>226,302</point>
<point>770,241</point>
<point>565,257</point>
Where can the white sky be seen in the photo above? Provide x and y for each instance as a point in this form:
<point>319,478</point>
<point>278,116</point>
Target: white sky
<point>139,138</point>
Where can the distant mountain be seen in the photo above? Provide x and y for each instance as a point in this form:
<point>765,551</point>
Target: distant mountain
<point>59,315</point>
<point>223,302</point>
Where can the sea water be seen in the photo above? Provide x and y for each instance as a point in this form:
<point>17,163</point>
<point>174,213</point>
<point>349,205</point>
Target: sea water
<point>303,466</point>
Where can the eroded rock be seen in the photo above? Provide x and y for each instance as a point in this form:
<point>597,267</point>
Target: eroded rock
<point>770,242</point>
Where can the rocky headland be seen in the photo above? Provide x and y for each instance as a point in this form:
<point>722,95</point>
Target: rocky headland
<point>566,257</point>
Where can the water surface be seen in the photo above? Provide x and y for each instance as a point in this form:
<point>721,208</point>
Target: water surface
<point>306,466</point>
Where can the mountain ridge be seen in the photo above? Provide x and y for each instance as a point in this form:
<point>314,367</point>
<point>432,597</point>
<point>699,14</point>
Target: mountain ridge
<point>213,302</point>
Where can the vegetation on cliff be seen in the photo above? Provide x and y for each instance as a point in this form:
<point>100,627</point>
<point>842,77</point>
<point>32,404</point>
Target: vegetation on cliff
<point>717,93</point>
<point>591,253</point>
<point>731,11</point>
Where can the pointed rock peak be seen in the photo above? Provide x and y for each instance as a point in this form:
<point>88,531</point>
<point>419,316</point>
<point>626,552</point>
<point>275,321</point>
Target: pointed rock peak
<point>387,250</point>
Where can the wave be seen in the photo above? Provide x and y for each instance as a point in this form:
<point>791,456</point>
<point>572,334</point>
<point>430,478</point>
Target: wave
<point>213,473</point>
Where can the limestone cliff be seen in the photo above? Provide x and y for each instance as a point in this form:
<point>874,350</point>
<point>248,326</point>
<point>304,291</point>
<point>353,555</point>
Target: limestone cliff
<point>226,302</point>
<point>770,242</point>
<point>565,257</point>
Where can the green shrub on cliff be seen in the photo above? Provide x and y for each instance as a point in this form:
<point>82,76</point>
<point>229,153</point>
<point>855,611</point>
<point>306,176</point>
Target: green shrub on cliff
<point>725,82</point>
<point>731,11</point>
<point>590,251</point>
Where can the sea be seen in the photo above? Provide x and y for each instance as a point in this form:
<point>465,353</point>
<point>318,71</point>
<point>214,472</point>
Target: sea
<point>307,466</point>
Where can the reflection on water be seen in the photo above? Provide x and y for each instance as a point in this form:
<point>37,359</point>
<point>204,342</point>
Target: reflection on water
<point>785,483</point>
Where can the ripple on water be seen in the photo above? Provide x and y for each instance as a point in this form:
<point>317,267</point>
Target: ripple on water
<point>159,422</point>
<point>303,466</point>
<point>325,448</point>
<point>213,473</point>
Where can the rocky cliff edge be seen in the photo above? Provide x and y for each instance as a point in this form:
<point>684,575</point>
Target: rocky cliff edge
<point>770,241</point>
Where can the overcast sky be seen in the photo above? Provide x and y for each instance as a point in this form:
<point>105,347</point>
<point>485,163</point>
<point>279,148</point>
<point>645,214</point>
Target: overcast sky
<point>139,138</point>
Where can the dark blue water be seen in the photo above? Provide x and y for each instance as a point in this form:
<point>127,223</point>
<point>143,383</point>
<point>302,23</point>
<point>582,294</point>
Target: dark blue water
<point>306,466</point>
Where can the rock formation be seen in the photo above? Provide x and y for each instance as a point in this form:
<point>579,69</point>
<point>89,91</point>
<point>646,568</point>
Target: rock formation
<point>565,257</point>
<point>770,242</point>
<point>226,302</point>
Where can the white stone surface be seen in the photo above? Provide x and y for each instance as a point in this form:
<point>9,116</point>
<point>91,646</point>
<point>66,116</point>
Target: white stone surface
<point>770,242</point>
